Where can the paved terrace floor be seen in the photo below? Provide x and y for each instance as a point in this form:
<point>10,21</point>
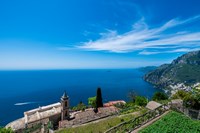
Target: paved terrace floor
<point>88,116</point>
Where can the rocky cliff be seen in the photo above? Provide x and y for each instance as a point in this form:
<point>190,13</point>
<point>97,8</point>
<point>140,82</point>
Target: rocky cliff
<point>182,73</point>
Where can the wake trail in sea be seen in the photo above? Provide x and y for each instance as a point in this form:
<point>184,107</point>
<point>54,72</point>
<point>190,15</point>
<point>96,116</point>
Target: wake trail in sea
<point>24,103</point>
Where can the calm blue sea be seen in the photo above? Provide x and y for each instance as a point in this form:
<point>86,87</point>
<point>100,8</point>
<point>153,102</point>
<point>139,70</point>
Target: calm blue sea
<point>24,90</point>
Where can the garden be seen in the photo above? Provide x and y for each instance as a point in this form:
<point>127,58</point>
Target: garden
<point>173,122</point>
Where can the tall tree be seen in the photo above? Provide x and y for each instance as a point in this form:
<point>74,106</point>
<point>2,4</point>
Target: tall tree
<point>132,95</point>
<point>99,102</point>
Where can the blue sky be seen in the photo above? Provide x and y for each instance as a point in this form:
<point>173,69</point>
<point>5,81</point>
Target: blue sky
<point>63,34</point>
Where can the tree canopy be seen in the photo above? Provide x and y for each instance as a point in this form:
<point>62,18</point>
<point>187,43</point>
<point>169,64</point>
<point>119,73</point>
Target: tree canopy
<point>99,102</point>
<point>180,94</point>
<point>132,95</point>
<point>159,96</point>
<point>92,101</point>
<point>190,99</point>
<point>80,106</point>
<point>141,101</point>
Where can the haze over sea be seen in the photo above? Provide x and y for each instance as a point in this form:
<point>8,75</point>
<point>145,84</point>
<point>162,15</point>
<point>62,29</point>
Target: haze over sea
<point>25,90</point>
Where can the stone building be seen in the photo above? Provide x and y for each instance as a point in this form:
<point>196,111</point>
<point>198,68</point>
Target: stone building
<point>153,105</point>
<point>60,115</point>
<point>64,107</point>
<point>54,112</point>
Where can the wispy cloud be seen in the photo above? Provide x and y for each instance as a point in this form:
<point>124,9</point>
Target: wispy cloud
<point>143,38</point>
<point>144,52</point>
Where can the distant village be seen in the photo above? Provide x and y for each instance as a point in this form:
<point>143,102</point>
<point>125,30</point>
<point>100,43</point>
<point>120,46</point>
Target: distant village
<point>182,86</point>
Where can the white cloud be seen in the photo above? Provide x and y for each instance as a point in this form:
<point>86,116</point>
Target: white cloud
<point>141,37</point>
<point>144,52</point>
<point>109,34</point>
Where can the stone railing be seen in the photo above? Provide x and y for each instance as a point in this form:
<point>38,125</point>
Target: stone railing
<point>192,113</point>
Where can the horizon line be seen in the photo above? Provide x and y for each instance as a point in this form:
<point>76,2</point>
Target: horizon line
<point>75,68</point>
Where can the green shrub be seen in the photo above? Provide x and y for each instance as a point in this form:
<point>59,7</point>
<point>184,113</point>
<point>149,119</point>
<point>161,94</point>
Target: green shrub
<point>80,106</point>
<point>190,99</point>
<point>141,101</point>
<point>92,101</point>
<point>180,94</point>
<point>159,96</point>
<point>6,130</point>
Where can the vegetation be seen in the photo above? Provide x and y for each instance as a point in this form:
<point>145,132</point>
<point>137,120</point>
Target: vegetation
<point>132,96</point>
<point>50,125</point>
<point>100,126</point>
<point>190,99</point>
<point>129,107</point>
<point>180,94</point>
<point>80,106</point>
<point>141,101</point>
<point>128,111</point>
<point>159,96</point>
<point>196,92</point>
<point>173,122</point>
<point>136,103</point>
<point>92,101</point>
<point>6,130</point>
<point>184,69</point>
<point>34,128</point>
<point>96,101</point>
<point>99,102</point>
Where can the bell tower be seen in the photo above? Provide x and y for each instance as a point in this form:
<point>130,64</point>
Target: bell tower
<point>64,106</point>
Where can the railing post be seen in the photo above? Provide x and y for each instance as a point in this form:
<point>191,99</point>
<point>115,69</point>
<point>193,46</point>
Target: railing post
<point>198,115</point>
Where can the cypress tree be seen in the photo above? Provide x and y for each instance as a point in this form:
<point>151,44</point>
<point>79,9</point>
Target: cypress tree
<point>99,102</point>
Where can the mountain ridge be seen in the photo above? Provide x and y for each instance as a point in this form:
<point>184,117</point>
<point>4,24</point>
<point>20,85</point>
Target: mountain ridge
<point>182,73</point>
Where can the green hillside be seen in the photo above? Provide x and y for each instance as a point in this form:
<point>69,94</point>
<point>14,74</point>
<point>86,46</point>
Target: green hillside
<point>184,69</point>
<point>173,122</point>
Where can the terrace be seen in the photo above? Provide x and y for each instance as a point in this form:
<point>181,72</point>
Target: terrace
<point>88,115</point>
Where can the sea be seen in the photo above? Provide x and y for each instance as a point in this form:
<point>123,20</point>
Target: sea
<point>21,91</point>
